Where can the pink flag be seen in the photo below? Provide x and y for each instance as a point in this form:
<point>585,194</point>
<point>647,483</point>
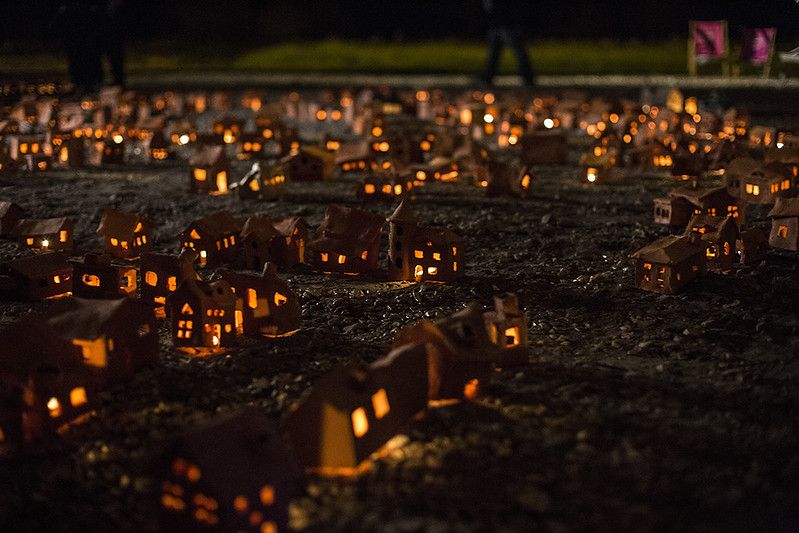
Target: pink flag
<point>709,40</point>
<point>757,45</point>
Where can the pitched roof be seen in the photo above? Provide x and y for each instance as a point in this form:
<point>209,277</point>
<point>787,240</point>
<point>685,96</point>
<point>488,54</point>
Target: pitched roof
<point>207,156</point>
<point>714,226</point>
<point>76,318</point>
<point>41,226</point>
<point>345,225</point>
<point>29,346</point>
<point>118,222</point>
<point>700,195</point>
<point>39,266</point>
<point>217,224</point>
<point>403,213</point>
<point>259,227</point>
<point>353,151</point>
<point>9,208</point>
<point>785,207</point>
<point>668,250</point>
<point>285,226</point>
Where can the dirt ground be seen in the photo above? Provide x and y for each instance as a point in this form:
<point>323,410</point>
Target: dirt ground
<point>637,412</point>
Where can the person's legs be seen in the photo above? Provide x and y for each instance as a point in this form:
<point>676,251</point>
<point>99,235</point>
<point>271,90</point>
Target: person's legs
<point>495,45</point>
<point>516,42</point>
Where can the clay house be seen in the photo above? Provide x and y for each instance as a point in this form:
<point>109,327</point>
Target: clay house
<point>752,246</point>
<point>96,277</point>
<point>506,178</point>
<point>159,147</point>
<point>36,277</point>
<point>543,148</point>
<point>250,146</point>
<point>507,328</point>
<point>162,274</point>
<point>45,235</point>
<point>350,414</point>
<point>125,235</point>
<point>215,238</point>
<point>44,387</point>
<point>765,185</point>
<point>202,315</point>
<point>388,187</point>
<point>210,170</point>
<point>687,164</point>
<point>684,202</point>
<point>113,150</point>
<point>737,170</point>
<point>347,241</point>
<point>422,253</point>
<point>354,157</point>
<point>233,473</point>
<point>719,235</point>
<point>785,224</point>
<point>116,338</point>
<point>306,164</point>
<point>69,149</point>
<point>668,264</point>
<point>262,183</point>
<point>10,215</point>
<point>265,304</point>
<point>785,149</point>
<point>281,241</point>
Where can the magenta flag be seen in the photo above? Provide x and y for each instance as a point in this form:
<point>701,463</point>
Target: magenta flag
<point>757,45</point>
<point>709,40</point>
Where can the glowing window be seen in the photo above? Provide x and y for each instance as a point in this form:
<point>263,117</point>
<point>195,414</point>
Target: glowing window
<point>364,255</point>
<point>323,257</point>
<point>252,298</point>
<point>342,259</point>
<point>54,407</point>
<point>437,256</point>
<point>369,188</point>
<point>151,278</point>
<point>241,504</point>
<point>433,271</point>
<point>397,189</point>
<point>418,254</point>
<point>91,280</point>
<point>29,241</point>
<point>62,235</point>
<point>77,396</point>
<point>193,474</point>
<point>386,188</point>
<point>455,266</point>
<point>647,271</point>
<point>727,248</point>
<point>360,423</point>
<point>471,389</point>
<point>171,283</point>
<point>56,279</point>
<point>785,185</point>
<point>280,299</point>
<point>268,527</point>
<point>194,235</point>
<point>186,310</point>
<point>712,252</point>
<point>512,336</point>
<point>782,232</point>
<point>200,174</point>
<point>267,495</point>
<point>380,403</point>
<point>526,181</point>
<point>221,181</point>
<point>114,241</point>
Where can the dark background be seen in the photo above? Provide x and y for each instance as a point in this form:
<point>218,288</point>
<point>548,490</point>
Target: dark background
<point>253,22</point>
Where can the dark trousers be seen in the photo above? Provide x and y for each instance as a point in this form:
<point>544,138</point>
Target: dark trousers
<point>498,38</point>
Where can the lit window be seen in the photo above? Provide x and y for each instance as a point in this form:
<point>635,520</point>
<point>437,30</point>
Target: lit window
<point>360,424</point>
<point>151,278</point>
<point>342,259</point>
<point>437,256</point>
<point>241,504</point>
<point>418,271</point>
<point>29,241</point>
<point>200,174</point>
<point>252,298</point>
<point>186,310</point>
<point>380,403</point>
<point>323,257</point>
<point>62,235</point>
<point>782,232</point>
<point>114,241</point>
<point>369,188</point>
<point>280,299</point>
<point>171,283</point>
<point>56,279</point>
<point>364,255</point>
<point>77,396</point>
<point>91,280</point>
<point>433,271</point>
<point>418,254</point>
<point>54,407</point>
<point>267,495</point>
<point>512,336</point>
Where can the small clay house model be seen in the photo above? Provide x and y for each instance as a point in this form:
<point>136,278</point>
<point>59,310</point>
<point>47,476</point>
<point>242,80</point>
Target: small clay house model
<point>668,264</point>
<point>202,314</point>
<point>44,386</point>
<point>737,170</point>
<point>290,250</point>
<point>422,253</point>
<point>45,235</point>
<point>159,147</point>
<point>162,274</point>
<point>347,241</point>
<point>506,178</point>
<point>265,304</point>
<point>36,277</point>
<point>10,215</point>
<point>113,150</point>
<point>388,187</point>
<point>210,170</point>
<point>262,183</point>
<point>125,235</point>
<point>115,337</point>
<point>752,246</point>
<point>215,238</point>
<point>231,474</point>
<point>306,164</point>
<point>461,355</point>
<point>719,235</point>
<point>351,413</point>
<point>507,328</point>
<point>765,185</point>
<point>785,224</point>
<point>95,277</point>
<point>354,157</point>
<point>543,148</point>
<point>684,202</point>
<point>280,241</point>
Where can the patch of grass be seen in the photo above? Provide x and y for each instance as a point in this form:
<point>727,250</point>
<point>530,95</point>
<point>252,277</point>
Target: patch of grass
<point>549,57</point>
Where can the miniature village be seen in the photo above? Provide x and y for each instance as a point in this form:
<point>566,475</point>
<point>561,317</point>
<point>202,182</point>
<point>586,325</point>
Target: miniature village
<point>268,311</point>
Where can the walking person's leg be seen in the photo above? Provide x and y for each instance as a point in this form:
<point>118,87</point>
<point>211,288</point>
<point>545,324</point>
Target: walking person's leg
<point>519,47</point>
<point>495,45</point>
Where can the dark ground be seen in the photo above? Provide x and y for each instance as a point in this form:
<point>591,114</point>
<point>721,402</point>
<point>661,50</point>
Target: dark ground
<point>637,412</point>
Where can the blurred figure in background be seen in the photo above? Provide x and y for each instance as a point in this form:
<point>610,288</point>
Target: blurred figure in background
<point>91,30</point>
<point>505,29</point>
